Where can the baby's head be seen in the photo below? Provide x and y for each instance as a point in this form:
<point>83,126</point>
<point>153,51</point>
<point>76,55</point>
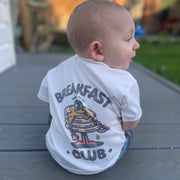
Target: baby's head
<point>104,31</point>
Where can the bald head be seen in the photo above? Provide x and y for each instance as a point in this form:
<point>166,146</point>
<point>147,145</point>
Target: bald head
<point>89,21</point>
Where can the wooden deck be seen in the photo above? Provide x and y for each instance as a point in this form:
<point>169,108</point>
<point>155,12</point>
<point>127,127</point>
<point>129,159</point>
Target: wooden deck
<point>153,155</point>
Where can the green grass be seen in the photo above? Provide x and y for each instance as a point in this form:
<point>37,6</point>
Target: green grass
<point>65,49</point>
<point>164,59</point>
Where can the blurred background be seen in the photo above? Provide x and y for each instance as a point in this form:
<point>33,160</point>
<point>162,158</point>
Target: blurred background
<point>40,26</point>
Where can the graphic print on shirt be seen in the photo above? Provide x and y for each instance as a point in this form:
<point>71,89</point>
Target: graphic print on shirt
<point>79,119</point>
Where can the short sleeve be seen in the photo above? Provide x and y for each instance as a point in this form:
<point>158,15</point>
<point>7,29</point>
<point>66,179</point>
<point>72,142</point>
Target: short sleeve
<point>43,91</point>
<point>130,105</point>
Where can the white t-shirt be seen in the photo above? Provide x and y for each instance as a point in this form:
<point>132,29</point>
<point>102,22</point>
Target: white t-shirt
<point>87,99</point>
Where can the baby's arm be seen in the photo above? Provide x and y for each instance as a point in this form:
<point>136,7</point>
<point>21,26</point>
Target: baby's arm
<point>130,125</point>
<point>49,117</point>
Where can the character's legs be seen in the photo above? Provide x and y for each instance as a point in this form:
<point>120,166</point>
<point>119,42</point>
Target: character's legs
<point>86,143</point>
<point>85,140</point>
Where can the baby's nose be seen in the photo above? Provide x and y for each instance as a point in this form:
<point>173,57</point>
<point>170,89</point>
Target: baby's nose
<point>136,45</point>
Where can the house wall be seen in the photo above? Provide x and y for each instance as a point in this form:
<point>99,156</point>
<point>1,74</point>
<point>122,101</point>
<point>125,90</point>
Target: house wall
<point>7,53</point>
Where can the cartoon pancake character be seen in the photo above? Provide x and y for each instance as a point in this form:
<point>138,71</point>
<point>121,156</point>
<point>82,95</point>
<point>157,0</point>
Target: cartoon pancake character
<point>79,119</point>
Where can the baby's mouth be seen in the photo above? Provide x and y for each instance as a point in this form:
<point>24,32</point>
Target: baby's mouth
<point>132,58</point>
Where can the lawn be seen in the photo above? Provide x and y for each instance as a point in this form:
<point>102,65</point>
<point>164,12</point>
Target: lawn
<point>164,59</point>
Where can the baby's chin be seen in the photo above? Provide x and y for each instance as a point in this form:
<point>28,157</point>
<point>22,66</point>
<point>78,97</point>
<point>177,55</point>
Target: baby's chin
<point>125,67</point>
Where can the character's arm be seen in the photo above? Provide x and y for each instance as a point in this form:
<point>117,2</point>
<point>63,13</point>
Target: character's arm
<point>68,117</point>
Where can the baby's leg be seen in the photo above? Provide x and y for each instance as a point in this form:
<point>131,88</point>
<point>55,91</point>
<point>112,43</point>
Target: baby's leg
<point>129,136</point>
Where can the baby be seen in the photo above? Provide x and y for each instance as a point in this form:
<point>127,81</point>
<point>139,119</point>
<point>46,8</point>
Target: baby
<point>93,100</point>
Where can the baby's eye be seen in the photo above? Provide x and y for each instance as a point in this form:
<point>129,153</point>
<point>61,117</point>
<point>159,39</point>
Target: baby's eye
<point>129,39</point>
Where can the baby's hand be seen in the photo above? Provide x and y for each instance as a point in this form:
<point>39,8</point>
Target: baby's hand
<point>130,125</point>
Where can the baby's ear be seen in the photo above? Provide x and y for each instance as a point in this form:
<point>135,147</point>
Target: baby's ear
<point>95,51</point>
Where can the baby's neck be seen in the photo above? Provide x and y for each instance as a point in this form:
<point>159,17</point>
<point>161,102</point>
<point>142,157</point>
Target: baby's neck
<point>84,55</point>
